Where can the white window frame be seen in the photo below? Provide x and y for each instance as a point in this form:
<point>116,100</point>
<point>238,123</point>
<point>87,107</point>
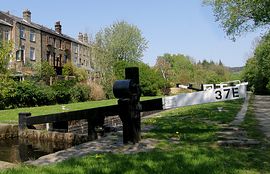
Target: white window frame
<point>32,54</point>
<point>22,32</point>
<point>32,36</point>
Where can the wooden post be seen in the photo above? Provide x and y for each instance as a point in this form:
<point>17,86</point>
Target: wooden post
<point>129,108</point>
<point>23,120</point>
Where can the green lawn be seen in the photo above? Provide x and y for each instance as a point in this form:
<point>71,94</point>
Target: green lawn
<point>11,115</point>
<point>195,151</point>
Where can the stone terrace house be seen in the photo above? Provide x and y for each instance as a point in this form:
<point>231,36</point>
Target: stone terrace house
<point>25,36</point>
<point>5,31</point>
<point>82,54</point>
<point>34,43</point>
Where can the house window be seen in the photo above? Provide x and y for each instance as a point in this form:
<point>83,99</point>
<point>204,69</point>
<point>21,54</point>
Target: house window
<point>7,35</point>
<point>65,58</point>
<point>22,33</point>
<point>54,42</point>
<point>1,36</point>
<point>32,36</point>
<point>32,53</point>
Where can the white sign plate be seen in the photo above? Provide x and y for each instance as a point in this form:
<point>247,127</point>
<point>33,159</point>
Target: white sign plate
<point>208,96</point>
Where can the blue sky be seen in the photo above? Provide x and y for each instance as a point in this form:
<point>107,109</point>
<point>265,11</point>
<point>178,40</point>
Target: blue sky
<point>172,26</point>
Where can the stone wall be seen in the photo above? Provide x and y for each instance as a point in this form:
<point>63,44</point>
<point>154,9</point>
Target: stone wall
<point>8,131</point>
<point>53,136</point>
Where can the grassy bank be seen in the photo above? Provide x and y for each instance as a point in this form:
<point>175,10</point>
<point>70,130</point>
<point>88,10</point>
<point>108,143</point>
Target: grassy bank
<point>11,115</point>
<point>187,145</point>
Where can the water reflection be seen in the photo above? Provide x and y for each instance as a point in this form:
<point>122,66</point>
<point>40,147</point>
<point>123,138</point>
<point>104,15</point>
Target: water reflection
<point>18,150</point>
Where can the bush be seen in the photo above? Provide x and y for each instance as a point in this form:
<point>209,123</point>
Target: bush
<point>45,96</point>
<point>97,92</point>
<point>7,90</point>
<point>62,90</point>
<point>80,93</point>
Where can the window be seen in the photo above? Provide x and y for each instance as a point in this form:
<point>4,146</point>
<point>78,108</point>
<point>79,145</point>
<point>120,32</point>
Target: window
<point>32,53</point>
<point>32,36</point>
<point>54,42</point>
<point>22,33</point>
<point>7,36</point>
<point>65,58</point>
<point>60,44</point>
<point>1,36</point>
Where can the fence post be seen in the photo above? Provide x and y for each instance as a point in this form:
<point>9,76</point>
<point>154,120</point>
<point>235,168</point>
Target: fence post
<point>23,120</point>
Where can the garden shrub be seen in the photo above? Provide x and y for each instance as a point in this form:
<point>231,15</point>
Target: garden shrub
<point>97,92</point>
<point>62,90</point>
<point>80,93</point>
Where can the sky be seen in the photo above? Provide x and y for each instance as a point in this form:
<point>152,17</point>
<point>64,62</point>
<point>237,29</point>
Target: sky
<point>172,26</point>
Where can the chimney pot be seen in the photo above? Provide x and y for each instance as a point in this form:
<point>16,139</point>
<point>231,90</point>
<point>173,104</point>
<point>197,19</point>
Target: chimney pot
<point>80,37</point>
<point>27,15</point>
<point>58,27</point>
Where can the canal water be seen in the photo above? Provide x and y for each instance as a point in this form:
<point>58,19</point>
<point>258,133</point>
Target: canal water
<point>18,150</point>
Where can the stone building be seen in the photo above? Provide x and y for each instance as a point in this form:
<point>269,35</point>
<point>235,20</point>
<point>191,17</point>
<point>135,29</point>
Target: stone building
<point>55,47</point>
<point>81,53</point>
<point>34,43</point>
<point>5,31</point>
<point>26,37</point>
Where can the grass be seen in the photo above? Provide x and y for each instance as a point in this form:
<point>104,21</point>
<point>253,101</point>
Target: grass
<point>11,115</point>
<point>187,145</point>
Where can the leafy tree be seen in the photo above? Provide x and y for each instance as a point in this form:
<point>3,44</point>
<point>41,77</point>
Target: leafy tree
<point>5,56</point>
<point>257,68</point>
<point>123,41</point>
<point>238,16</point>
<point>118,42</point>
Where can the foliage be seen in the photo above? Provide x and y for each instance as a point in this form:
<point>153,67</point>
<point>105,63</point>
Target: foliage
<point>151,82</point>
<point>97,92</point>
<point>68,69</point>
<point>5,56</point>
<point>257,68</point>
<point>45,71</point>
<point>118,42</point>
<point>123,41</point>
<point>238,16</point>
<point>80,93</point>
<point>62,90</point>
<point>80,74</point>
<point>7,91</point>
<point>181,69</point>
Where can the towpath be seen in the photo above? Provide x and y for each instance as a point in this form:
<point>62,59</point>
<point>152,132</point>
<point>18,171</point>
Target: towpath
<point>262,112</point>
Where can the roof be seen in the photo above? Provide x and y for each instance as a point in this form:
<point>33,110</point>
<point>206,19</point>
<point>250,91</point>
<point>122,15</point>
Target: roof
<point>39,27</point>
<point>5,23</point>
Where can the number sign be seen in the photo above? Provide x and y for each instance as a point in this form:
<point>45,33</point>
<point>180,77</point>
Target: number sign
<point>210,95</point>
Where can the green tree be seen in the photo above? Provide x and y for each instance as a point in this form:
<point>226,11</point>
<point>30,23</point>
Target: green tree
<point>5,56</point>
<point>123,41</point>
<point>238,16</point>
<point>118,42</point>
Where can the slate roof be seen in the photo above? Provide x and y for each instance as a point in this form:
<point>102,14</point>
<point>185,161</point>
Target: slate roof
<point>5,23</point>
<point>39,27</point>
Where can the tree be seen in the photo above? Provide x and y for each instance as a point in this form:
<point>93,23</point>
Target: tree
<point>118,42</point>
<point>257,68</point>
<point>123,41</point>
<point>5,56</point>
<point>238,16</point>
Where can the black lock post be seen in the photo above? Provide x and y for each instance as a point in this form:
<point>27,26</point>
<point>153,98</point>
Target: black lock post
<point>128,91</point>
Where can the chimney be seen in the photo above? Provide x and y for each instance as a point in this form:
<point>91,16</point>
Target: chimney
<point>80,37</point>
<point>58,27</point>
<point>27,15</point>
<point>85,38</point>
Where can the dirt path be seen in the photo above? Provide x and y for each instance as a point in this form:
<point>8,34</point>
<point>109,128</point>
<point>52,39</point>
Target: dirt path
<point>262,112</point>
